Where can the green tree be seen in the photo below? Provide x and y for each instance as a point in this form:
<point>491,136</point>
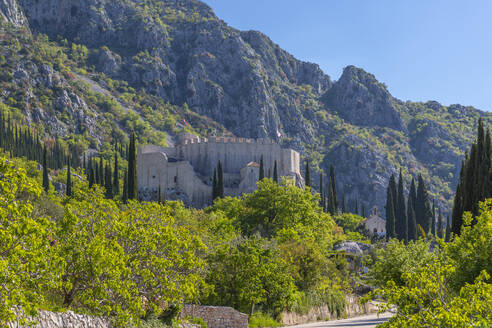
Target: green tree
<point>116,175</point>
<point>275,172</point>
<point>411,217</point>
<point>401,221</point>
<point>215,187</point>
<point>390,208</point>
<point>220,181</point>
<point>307,174</point>
<point>108,183</point>
<point>423,210</point>
<point>262,169</point>
<point>29,264</point>
<point>69,179</point>
<point>250,273</point>
<point>46,179</point>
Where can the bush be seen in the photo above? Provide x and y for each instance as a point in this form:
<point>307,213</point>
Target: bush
<point>261,320</point>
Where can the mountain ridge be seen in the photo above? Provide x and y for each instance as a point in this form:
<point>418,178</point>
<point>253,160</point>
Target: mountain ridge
<point>180,53</point>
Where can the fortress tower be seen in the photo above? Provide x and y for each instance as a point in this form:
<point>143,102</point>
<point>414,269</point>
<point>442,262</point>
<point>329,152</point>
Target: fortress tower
<point>185,171</point>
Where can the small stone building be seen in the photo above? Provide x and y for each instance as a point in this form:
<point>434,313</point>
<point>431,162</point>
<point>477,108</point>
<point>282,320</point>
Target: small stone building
<point>375,225</point>
<point>185,172</point>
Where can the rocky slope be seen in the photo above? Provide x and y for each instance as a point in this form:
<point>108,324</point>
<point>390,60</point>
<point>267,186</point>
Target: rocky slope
<point>162,61</point>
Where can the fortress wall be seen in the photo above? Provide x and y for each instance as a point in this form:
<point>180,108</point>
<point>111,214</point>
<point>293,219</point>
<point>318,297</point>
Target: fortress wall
<point>236,155</point>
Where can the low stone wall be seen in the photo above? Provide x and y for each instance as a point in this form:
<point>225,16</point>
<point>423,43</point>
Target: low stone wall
<point>352,309</point>
<point>217,316</point>
<point>65,320</point>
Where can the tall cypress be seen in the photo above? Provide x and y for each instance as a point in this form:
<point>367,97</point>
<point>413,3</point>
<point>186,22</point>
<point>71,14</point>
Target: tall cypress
<point>220,181</point>
<point>344,209</point>
<point>448,230</point>
<point>46,179</point>
<point>124,197</point>
<point>215,185</point>
<point>132,169</point>
<point>321,192</point>
<point>423,210</point>
<point>356,207</point>
<point>401,212</point>
<point>390,209</point>
<point>458,203</point>
<point>116,175</point>
<point>102,181</point>
<point>109,181</point>
<point>69,179</point>
<point>440,225</point>
<point>411,218</point>
<point>275,172</point>
<point>363,214</point>
<point>308,174</point>
<point>262,169</point>
<point>433,219</point>
<point>96,172</point>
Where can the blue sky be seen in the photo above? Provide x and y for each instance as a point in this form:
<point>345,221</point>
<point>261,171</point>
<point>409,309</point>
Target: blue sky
<point>421,49</point>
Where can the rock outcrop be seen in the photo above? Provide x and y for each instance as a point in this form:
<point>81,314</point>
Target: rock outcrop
<point>10,12</point>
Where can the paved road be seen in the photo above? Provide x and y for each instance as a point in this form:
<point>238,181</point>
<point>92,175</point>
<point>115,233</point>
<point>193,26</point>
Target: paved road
<point>368,321</point>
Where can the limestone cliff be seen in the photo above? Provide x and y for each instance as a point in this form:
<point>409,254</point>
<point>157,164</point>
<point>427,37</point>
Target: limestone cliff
<point>184,62</point>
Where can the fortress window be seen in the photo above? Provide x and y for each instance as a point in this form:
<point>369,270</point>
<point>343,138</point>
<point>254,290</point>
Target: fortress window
<point>153,177</point>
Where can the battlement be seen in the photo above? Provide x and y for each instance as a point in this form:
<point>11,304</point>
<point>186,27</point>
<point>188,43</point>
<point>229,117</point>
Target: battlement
<point>229,140</point>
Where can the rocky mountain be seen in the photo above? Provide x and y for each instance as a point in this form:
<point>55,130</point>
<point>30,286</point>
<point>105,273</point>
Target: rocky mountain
<point>91,70</point>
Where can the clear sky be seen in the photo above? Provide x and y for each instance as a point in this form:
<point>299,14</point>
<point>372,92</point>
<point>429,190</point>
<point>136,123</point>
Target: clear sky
<point>421,49</point>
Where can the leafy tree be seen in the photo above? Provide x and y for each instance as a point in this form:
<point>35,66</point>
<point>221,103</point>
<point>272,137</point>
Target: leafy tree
<point>250,273</point>
<point>28,261</point>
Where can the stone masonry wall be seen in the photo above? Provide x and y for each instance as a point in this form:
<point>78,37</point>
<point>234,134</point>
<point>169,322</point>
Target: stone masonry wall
<point>217,316</point>
<point>65,320</point>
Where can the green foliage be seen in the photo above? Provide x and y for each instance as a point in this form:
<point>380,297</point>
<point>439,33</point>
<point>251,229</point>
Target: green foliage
<point>28,257</point>
<point>262,320</point>
<point>447,288</point>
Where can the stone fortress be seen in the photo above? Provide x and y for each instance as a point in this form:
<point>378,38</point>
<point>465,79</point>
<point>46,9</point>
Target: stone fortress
<point>185,172</point>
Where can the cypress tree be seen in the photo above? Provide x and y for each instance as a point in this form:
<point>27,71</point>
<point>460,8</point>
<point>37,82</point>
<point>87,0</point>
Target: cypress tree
<point>308,174</point>
<point>356,207</point>
<point>440,225</point>
<point>423,210</point>
<point>109,181</point>
<point>102,181</point>
<point>458,204</point>
<point>275,172</point>
<point>433,219</point>
<point>262,169</point>
<point>448,229</point>
<point>333,186</point>
<point>46,179</point>
<point>69,179</point>
<point>344,209</point>
<point>401,212</point>
<point>390,209</point>
<point>220,181</point>
<point>90,173</point>
<point>411,218</point>
<point>321,192</point>
<point>132,169</point>
<point>363,210</point>
<point>116,175</point>
<point>96,172</point>
<point>125,187</point>
<point>215,186</point>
